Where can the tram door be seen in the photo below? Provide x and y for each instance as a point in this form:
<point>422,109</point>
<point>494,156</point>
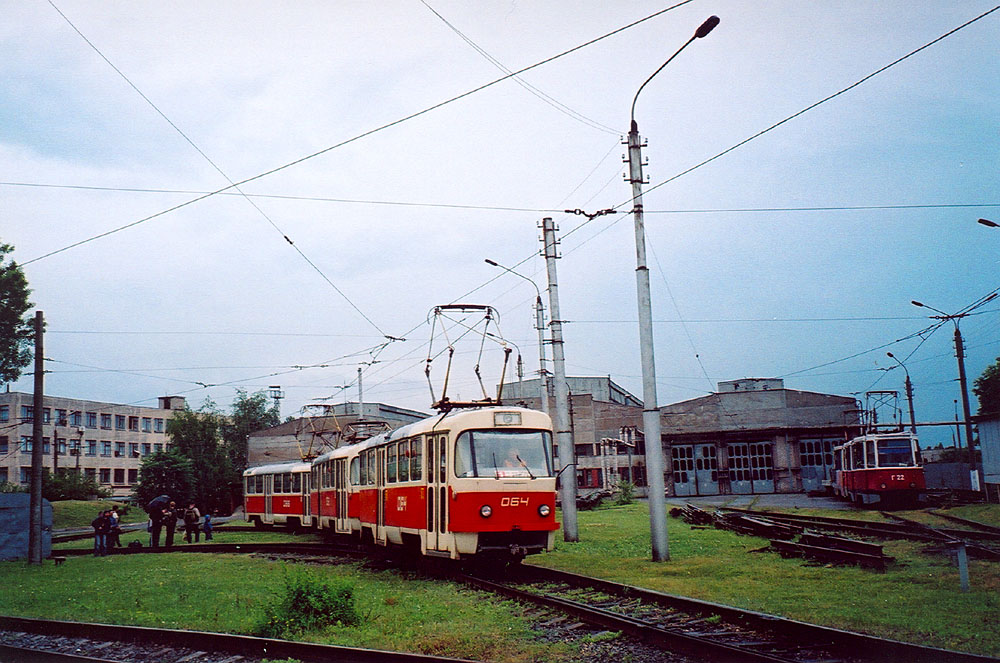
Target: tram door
<point>437,491</point>
<point>268,497</point>
<point>380,486</point>
<point>306,502</point>
<point>816,457</point>
<point>751,468</point>
<point>340,482</point>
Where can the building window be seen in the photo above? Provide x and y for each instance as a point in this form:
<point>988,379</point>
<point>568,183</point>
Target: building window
<point>46,415</point>
<point>105,475</point>
<point>91,447</point>
<point>105,448</point>
<point>25,475</point>
<point>119,449</point>
<point>106,421</point>
<point>4,413</point>
<point>61,418</point>
<point>76,418</point>
<point>119,475</point>
<point>133,449</point>
<point>4,444</point>
<point>90,473</point>
<point>46,446</point>
<point>61,445</point>
<point>133,476</point>
<point>147,425</point>
<point>27,444</point>
<point>133,424</point>
<point>158,425</point>
<point>119,422</point>
<point>91,420</point>
<point>3,475</point>
<point>27,413</point>
<point>146,448</point>
<point>158,448</point>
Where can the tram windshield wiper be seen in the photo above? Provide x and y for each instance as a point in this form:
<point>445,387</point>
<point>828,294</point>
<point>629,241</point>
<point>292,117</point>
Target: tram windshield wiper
<point>524,465</point>
<point>496,470</point>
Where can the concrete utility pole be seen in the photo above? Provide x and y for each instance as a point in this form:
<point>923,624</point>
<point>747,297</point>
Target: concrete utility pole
<point>650,410</point>
<point>564,436</point>
<point>540,327</point>
<point>35,499</point>
<point>361,399</point>
<point>963,386</point>
<point>909,392</point>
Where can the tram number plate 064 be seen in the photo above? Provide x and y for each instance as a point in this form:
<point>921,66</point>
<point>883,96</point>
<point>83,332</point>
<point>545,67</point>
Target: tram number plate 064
<point>513,501</point>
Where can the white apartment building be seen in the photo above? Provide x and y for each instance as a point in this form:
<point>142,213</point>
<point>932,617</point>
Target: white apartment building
<point>106,441</point>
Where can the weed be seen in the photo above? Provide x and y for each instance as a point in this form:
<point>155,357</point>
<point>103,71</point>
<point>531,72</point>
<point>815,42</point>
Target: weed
<point>308,603</point>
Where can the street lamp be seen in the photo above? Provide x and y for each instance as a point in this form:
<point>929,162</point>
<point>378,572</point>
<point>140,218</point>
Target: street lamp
<point>989,224</point>
<point>540,326</point>
<point>909,392</point>
<point>960,354</point>
<point>650,411</point>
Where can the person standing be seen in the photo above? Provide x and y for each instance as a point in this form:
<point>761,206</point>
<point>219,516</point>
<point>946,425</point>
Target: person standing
<point>191,518</point>
<point>113,535</point>
<point>208,525</point>
<point>102,526</point>
<point>170,521</point>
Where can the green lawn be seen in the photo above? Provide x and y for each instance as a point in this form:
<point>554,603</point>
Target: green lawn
<point>78,513</point>
<point>916,600</point>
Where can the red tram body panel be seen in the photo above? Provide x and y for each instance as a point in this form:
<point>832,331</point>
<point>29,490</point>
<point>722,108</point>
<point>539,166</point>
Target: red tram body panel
<point>879,468</point>
<point>467,483</point>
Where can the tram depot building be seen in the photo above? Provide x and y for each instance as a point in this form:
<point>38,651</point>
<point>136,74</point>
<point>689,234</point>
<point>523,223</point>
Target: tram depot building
<point>751,436</point>
<point>106,441</point>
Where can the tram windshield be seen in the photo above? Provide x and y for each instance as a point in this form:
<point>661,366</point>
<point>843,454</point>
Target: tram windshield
<point>895,452</point>
<point>502,454</point>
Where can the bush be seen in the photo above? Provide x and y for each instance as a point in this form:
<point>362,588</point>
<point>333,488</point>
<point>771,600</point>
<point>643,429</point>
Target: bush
<point>309,603</point>
<point>626,493</point>
<point>8,487</point>
<point>68,484</point>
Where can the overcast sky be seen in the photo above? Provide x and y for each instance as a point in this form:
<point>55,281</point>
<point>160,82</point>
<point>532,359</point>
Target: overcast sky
<point>114,113</point>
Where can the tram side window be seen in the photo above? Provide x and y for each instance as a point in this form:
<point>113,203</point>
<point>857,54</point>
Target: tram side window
<point>416,471</point>
<point>260,484</point>
<point>355,471</point>
<point>296,483</point>
<point>371,467</point>
<point>869,453</point>
<point>390,463</point>
<point>404,464</point>
<point>364,468</point>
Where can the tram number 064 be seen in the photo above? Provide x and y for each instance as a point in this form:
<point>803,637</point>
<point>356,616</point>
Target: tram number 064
<point>513,501</point>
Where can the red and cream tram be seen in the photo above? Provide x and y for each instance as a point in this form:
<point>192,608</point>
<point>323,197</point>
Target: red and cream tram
<point>882,469</point>
<point>278,494</point>
<point>470,482</point>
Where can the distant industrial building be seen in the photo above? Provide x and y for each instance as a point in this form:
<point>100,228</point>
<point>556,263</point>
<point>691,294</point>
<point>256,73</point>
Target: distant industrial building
<point>105,441</point>
<point>325,427</point>
<point>754,436</point>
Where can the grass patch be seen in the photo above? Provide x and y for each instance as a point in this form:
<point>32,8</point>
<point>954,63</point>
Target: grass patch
<point>917,600</point>
<point>232,593</point>
<point>80,513</point>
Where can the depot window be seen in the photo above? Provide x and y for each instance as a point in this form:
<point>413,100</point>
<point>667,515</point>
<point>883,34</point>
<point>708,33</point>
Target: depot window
<point>503,454</point>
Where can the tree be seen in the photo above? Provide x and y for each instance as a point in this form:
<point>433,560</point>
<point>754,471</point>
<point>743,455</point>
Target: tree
<point>70,485</point>
<point>197,435</point>
<point>987,389</point>
<point>165,473</point>
<point>16,331</point>
<point>251,413</point>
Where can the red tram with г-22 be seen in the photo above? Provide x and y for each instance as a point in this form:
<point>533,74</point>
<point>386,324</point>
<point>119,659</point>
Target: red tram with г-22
<point>467,483</point>
<point>879,468</point>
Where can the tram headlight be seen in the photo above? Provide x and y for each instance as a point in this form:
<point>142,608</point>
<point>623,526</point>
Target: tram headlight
<point>913,484</point>
<point>544,510</point>
<point>882,486</point>
<point>485,511</point>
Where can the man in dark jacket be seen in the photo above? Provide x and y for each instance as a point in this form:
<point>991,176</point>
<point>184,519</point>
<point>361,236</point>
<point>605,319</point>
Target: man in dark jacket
<point>170,521</point>
<point>102,527</point>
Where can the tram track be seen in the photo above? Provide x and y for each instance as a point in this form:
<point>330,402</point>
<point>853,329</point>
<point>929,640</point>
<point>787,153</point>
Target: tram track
<point>703,629</point>
<point>671,624</point>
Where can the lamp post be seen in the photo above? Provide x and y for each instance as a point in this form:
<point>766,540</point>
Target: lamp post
<point>540,327</point>
<point>909,392</point>
<point>650,411</point>
<point>960,354</point>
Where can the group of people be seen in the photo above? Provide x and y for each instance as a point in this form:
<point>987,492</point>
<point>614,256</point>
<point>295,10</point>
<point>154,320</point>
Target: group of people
<point>107,528</point>
<point>167,517</point>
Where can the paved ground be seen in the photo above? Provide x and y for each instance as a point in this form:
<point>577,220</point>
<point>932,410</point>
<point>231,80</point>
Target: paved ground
<point>782,501</point>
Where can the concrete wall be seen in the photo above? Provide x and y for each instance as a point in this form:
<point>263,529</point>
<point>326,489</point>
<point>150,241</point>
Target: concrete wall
<point>14,519</point>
